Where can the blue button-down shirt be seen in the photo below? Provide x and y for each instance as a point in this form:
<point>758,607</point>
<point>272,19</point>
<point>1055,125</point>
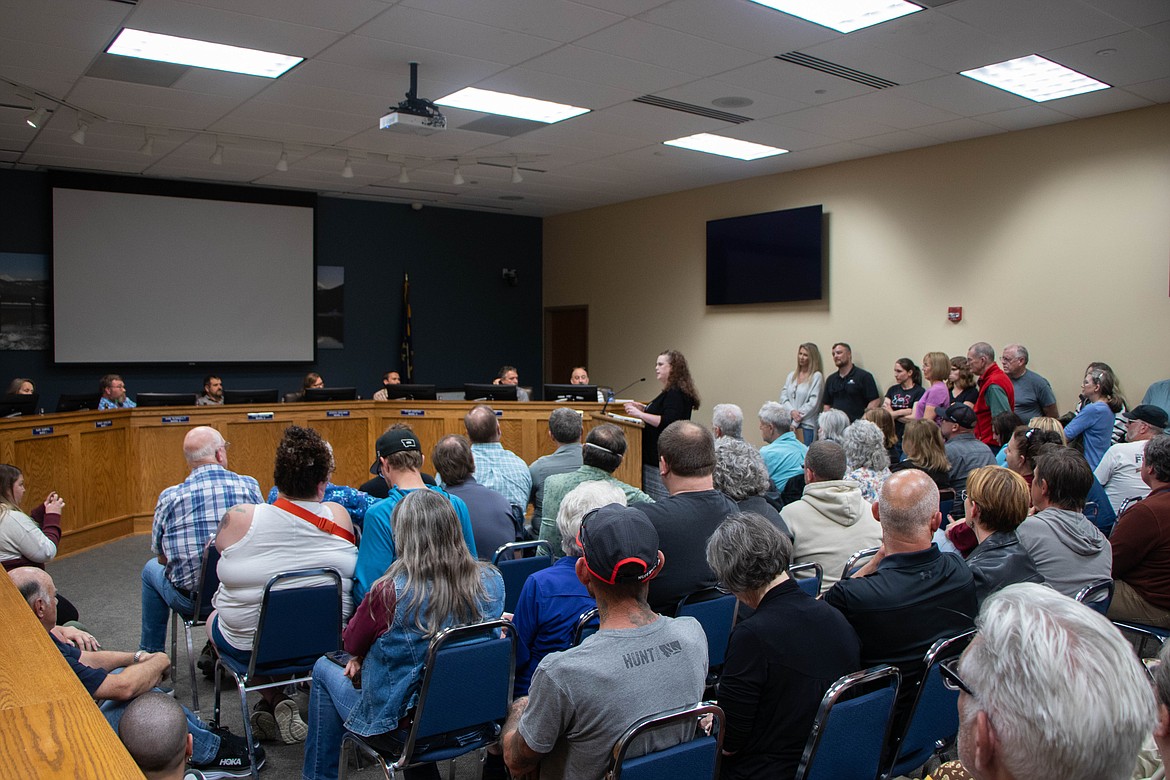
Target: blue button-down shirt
<point>187,515</point>
<point>503,471</point>
<point>106,403</point>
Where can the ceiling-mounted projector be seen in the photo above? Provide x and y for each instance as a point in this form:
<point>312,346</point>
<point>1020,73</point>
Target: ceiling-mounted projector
<point>414,115</point>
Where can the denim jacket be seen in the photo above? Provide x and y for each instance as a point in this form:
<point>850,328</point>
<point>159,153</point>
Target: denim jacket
<point>392,672</point>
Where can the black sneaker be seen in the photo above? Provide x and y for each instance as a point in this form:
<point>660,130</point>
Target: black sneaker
<point>206,663</point>
<point>231,760</point>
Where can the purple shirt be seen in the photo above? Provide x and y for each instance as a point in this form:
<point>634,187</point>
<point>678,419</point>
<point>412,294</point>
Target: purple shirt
<point>936,395</point>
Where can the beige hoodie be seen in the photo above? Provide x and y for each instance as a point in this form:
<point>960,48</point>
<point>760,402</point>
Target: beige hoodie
<point>831,521</point>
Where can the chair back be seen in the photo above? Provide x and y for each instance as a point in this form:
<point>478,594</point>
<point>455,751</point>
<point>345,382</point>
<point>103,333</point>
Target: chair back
<point>208,581</point>
<point>715,611</point>
<point>465,693</point>
<point>516,570</point>
<point>809,584</point>
<point>855,561</point>
<point>849,735</point>
<point>934,716</point>
<point>695,759</point>
<point>298,623</point>
<point>1097,595</point>
<point>946,501</point>
<point>587,625</point>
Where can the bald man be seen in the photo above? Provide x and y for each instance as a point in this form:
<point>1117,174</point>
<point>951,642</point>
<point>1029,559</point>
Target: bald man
<point>909,595</point>
<point>154,731</point>
<point>185,517</point>
<point>116,679</point>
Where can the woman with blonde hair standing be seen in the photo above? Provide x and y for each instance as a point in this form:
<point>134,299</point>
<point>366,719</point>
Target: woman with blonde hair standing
<point>801,394</point>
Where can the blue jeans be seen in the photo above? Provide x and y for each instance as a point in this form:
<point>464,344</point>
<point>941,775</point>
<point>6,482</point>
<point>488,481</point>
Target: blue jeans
<point>204,745</point>
<point>159,597</point>
<point>331,699</point>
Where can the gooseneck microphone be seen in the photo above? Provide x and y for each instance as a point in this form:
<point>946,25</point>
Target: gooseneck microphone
<point>612,394</point>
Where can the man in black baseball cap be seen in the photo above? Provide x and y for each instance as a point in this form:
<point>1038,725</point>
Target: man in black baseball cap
<point>1120,469</point>
<point>637,664</point>
<point>399,461</point>
<point>964,452</point>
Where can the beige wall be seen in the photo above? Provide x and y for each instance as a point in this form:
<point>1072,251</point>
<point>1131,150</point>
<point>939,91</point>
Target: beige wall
<point>1057,237</point>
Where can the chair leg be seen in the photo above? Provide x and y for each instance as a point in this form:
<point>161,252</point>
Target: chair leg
<point>241,686</point>
<point>215,711</point>
<point>191,667</point>
<point>174,642</point>
<point>362,749</point>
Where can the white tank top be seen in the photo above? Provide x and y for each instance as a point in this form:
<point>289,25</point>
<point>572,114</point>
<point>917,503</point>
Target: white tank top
<point>277,541</point>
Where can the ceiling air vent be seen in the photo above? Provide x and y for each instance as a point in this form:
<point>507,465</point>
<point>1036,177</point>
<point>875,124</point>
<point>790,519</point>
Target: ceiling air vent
<point>688,108</point>
<point>833,69</point>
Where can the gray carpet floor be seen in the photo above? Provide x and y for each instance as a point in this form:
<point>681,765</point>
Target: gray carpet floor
<point>105,584</point>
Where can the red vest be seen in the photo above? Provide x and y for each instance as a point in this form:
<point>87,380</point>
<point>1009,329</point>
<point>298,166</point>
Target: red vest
<point>994,375</point>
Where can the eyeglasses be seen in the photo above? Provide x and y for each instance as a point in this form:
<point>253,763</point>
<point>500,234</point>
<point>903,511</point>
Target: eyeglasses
<point>224,446</point>
<point>949,670</point>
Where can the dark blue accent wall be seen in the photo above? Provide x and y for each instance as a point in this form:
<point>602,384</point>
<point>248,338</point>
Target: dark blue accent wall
<point>467,319</point>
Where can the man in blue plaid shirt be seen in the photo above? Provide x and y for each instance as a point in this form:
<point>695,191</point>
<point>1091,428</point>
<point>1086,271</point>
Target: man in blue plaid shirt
<point>495,467</point>
<point>185,517</point>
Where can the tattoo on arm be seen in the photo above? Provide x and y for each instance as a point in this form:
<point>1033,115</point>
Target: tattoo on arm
<point>227,517</point>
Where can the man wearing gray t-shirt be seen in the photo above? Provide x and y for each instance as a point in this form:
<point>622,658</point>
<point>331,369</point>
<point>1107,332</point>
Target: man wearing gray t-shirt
<point>1033,393</point>
<point>637,664</point>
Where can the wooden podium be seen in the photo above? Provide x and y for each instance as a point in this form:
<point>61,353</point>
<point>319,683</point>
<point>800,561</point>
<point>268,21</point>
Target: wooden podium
<point>110,465</point>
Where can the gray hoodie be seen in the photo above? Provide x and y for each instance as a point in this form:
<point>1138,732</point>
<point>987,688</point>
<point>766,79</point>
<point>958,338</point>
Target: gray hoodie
<point>831,521</point>
<point>1069,551</point>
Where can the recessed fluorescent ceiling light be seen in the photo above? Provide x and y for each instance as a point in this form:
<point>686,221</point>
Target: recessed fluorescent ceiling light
<point>844,15</point>
<point>504,104</point>
<point>1035,78</point>
<point>725,147</point>
<point>200,54</point>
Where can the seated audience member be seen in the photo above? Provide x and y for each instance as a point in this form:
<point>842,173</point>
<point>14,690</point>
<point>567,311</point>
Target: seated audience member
<point>685,520</point>
<point>507,375</point>
<point>581,700</point>
<point>553,599</point>
<point>21,386</point>
<point>389,378</point>
<point>376,487</point>
<point>740,475</point>
<point>1162,694</point>
<point>832,520</point>
<point>185,517</point>
<point>400,459</point>
<point>212,394</point>
<point>26,540</point>
<point>433,584</point>
<point>964,451</point>
<point>1038,651</point>
<point>602,453</point>
<point>1024,447</point>
<point>1002,428</point>
<point>492,522</point>
<point>997,502</point>
<point>258,541</point>
<point>781,659</point>
<point>831,425</point>
<point>890,439</point>
<point>782,452</point>
<point>1033,394</point>
<point>727,420</point>
<point>354,501</point>
<point>926,451</point>
<point>1141,546</point>
<point>564,430</point>
<point>909,595</point>
<point>866,457</point>
<point>1069,551</point>
<point>113,392</point>
<point>218,753</point>
<point>154,731</point>
<point>1119,471</point>
<point>1157,394</point>
<point>1049,424</point>
<point>497,468</point>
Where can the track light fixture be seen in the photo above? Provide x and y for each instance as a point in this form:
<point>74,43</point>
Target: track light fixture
<point>217,155</point>
<point>282,163</point>
<point>147,147</point>
<point>403,176</point>
<point>516,177</point>
<point>458,180</point>
<point>37,117</point>
<point>78,135</point>
<point>347,169</point>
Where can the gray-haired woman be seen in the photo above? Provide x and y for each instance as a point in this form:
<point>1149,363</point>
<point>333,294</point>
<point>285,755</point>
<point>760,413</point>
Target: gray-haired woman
<point>740,474</point>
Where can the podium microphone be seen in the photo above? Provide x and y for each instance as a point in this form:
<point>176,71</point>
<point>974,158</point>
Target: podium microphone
<point>612,394</point>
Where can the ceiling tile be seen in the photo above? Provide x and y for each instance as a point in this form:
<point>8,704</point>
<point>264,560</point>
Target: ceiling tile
<point>663,47</point>
<point>559,20</point>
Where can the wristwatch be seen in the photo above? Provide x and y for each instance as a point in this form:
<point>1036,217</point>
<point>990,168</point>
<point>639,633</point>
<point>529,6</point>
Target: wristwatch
<point>138,654</point>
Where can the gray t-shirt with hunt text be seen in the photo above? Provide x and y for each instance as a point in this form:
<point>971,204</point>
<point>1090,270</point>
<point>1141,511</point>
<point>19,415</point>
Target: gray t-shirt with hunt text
<point>581,700</point>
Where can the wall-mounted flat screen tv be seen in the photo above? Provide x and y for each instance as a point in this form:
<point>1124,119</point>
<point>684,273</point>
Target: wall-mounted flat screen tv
<point>765,258</point>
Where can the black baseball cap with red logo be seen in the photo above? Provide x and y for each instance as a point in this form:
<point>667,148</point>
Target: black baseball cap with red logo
<point>620,544</point>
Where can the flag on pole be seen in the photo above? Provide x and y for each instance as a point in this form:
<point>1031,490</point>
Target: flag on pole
<point>407,352</point>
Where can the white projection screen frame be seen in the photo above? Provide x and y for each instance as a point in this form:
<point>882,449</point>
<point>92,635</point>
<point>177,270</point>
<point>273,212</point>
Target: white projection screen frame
<point>160,279</point>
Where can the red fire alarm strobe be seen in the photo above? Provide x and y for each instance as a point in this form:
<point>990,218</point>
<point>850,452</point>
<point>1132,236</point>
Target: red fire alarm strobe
<point>955,313</point>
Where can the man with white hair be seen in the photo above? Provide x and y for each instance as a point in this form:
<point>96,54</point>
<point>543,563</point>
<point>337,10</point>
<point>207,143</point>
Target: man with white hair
<point>1120,469</point>
<point>1049,688</point>
<point>727,420</point>
<point>783,453</point>
<point>185,517</point>
<point>1033,393</point>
